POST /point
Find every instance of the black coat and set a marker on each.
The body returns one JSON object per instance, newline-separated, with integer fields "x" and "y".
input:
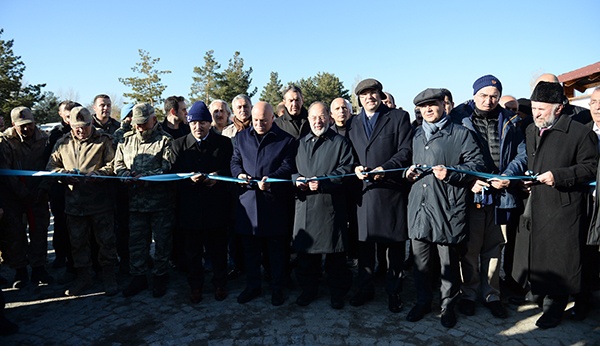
{"x": 320, "y": 224}
{"x": 199, "y": 206}
{"x": 295, "y": 129}
{"x": 437, "y": 210}
{"x": 553, "y": 227}
{"x": 382, "y": 204}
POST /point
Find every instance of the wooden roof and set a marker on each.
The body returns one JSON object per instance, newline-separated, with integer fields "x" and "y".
{"x": 580, "y": 79}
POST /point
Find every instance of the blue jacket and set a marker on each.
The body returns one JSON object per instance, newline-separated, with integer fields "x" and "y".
{"x": 264, "y": 213}
{"x": 513, "y": 156}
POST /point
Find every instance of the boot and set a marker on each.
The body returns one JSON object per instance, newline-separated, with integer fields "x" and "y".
{"x": 21, "y": 278}
{"x": 40, "y": 276}
{"x": 110, "y": 281}
{"x": 82, "y": 283}
{"x": 137, "y": 285}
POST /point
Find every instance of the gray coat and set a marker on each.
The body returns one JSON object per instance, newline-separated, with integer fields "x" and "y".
{"x": 320, "y": 222}
{"x": 437, "y": 209}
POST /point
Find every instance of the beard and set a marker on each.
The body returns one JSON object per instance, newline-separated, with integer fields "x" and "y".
{"x": 320, "y": 132}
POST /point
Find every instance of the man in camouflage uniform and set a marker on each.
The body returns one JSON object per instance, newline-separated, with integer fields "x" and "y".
{"x": 88, "y": 201}
{"x": 146, "y": 151}
{"x": 23, "y": 147}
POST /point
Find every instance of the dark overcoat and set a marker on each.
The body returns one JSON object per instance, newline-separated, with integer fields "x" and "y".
{"x": 382, "y": 204}
{"x": 437, "y": 210}
{"x": 553, "y": 226}
{"x": 264, "y": 213}
{"x": 320, "y": 224}
{"x": 199, "y": 206}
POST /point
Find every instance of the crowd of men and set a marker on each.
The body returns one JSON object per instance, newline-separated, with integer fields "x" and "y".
{"x": 494, "y": 190}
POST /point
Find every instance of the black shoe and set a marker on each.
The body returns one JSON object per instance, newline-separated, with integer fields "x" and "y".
{"x": 418, "y": 312}
{"x": 220, "y": 293}
{"x": 448, "y": 318}
{"x": 21, "y": 278}
{"x": 39, "y": 275}
{"x": 466, "y": 307}
{"x": 394, "y": 303}
{"x": 137, "y": 285}
{"x": 305, "y": 299}
{"x": 196, "y": 296}
{"x": 159, "y": 285}
{"x": 522, "y": 301}
{"x": 248, "y": 294}
{"x": 362, "y": 297}
{"x": 497, "y": 309}
{"x": 579, "y": 311}
{"x": 337, "y": 303}
{"x": 277, "y": 298}
{"x": 59, "y": 262}
{"x": 547, "y": 321}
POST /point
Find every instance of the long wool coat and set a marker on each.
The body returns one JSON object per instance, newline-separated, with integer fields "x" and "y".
{"x": 553, "y": 227}
{"x": 320, "y": 220}
{"x": 264, "y": 213}
{"x": 382, "y": 204}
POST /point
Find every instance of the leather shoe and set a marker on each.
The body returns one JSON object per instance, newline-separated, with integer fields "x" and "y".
{"x": 362, "y": 297}
{"x": 418, "y": 312}
{"x": 448, "y": 318}
{"x": 394, "y": 303}
{"x": 196, "y": 296}
{"x": 547, "y": 321}
{"x": 497, "y": 309}
{"x": 220, "y": 293}
{"x": 337, "y": 303}
{"x": 466, "y": 307}
{"x": 277, "y": 298}
{"x": 579, "y": 311}
{"x": 248, "y": 294}
{"x": 305, "y": 299}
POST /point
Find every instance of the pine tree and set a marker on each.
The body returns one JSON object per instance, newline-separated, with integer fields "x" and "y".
{"x": 204, "y": 79}
{"x": 324, "y": 87}
{"x": 147, "y": 88}
{"x": 271, "y": 92}
{"x": 234, "y": 80}
{"x": 13, "y": 91}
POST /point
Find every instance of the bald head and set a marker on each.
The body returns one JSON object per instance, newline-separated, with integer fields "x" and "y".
{"x": 262, "y": 117}
{"x": 339, "y": 111}
{"x": 509, "y": 102}
{"x": 547, "y": 77}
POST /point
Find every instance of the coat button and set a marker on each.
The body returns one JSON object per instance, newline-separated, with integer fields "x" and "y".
{"x": 426, "y": 147}
{"x": 424, "y": 185}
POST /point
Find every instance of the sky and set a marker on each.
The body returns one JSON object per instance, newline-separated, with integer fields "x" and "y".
{"x": 81, "y": 48}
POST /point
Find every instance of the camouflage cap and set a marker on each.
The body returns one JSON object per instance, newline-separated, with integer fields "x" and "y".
{"x": 142, "y": 112}
{"x": 21, "y": 116}
{"x": 80, "y": 117}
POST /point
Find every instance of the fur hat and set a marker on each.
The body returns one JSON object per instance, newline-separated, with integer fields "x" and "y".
{"x": 548, "y": 92}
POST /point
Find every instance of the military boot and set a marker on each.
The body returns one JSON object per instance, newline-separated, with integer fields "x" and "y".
{"x": 82, "y": 283}
{"x": 110, "y": 281}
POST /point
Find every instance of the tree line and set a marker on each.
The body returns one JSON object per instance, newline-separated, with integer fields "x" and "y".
{"x": 209, "y": 82}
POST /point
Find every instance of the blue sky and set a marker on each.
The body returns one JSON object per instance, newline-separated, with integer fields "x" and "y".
{"x": 80, "y": 48}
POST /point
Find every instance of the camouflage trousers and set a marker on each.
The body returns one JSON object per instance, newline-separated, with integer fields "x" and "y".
{"x": 18, "y": 219}
{"x": 143, "y": 227}
{"x": 100, "y": 227}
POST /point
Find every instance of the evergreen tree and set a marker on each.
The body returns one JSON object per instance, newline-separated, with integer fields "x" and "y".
{"x": 323, "y": 87}
{"x": 205, "y": 79}
{"x": 234, "y": 80}
{"x": 147, "y": 88}
{"x": 46, "y": 111}
{"x": 272, "y": 91}
{"x": 13, "y": 91}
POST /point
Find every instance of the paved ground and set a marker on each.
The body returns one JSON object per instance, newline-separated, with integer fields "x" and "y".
{"x": 47, "y": 317}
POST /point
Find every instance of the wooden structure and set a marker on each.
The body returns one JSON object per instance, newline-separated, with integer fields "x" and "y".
{"x": 580, "y": 79}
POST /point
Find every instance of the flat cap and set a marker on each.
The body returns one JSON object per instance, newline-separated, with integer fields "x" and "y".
{"x": 21, "y": 116}
{"x": 428, "y": 95}
{"x": 370, "y": 83}
{"x": 79, "y": 117}
{"x": 142, "y": 112}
